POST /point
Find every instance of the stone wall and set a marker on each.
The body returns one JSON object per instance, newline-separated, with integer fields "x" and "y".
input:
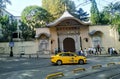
{"x": 110, "y": 36}
{"x": 28, "y": 47}
{"x": 84, "y": 34}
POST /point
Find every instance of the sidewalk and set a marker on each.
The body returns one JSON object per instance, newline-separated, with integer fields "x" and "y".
{"x": 25, "y": 56}
{"x": 102, "y": 55}
{"x": 47, "y": 56}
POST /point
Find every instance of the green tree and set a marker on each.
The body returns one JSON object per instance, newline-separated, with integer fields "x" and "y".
{"x": 106, "y": 14}
{"x": 4, "y": 22}
{"x": 70, "y": 6}
{"x": 115, "y": 20}
{"x": 94, "y": 13}
{"x": 57, "y": 7}
{"x": 116, "y": 23}
{"x": 111, "y": 10}
{"x": 26, "y": 32}
{"x": 104, "y": 18}
{"x": 113, "y": 14}
{"x": 35, "y": 16}
{"x": 9, "y": 26}
{"x": 80, "y": 14}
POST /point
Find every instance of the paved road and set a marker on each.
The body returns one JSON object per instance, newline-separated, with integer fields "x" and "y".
{"x": 24, "y": 68}
{"x": 112, "y": 72}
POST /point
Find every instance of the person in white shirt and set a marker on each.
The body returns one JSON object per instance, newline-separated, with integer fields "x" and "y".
{"x": 85, "y": 52}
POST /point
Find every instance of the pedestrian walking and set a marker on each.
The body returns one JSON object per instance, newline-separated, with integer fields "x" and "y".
{"x": 111, "y": 51}
{"x": 98, "y": 48}
{"x": 108, "y": 50}
{"x": 94, "y": 51}
{"x": 89, "y": 50}
{"x": 81, "y": 52}
{"x": 85, "y": 52}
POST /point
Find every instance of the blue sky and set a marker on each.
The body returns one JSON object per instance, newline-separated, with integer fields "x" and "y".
{"x": 18, "y": 5}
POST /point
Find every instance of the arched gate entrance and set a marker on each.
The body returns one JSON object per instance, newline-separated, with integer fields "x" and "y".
{"x": 69, "y": 44}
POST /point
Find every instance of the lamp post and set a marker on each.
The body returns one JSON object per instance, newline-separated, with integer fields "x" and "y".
{"x": 11, "y": 43}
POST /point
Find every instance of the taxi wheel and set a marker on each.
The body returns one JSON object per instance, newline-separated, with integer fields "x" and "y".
{"x": 59, "y": 62}
{"x": 80, "y": 62}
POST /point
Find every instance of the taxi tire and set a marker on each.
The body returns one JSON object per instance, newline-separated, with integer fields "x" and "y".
{"x": 80, "y": 61}
{"x": 59, "y": 62}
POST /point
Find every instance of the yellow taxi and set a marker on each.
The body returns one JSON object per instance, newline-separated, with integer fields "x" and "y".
{"x": 68, "y": 57}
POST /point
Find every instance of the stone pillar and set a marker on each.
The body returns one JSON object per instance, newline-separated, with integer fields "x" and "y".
{"x": 78, "y": 39}
{"x": 77, "y": 43}
{"x": 61, "y": 43}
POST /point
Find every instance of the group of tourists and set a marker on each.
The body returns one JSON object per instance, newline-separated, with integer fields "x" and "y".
{"x": 96, "y": 50}
{"x": 93, "y": 50}
{"x": 82, "y": 52}
{"x": 112, "y": 51}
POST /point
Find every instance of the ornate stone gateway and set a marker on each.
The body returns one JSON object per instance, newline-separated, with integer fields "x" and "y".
{"x": 69, "y": 44}
{"x": 68, "y": 38}
{"x": 66, "y": 32}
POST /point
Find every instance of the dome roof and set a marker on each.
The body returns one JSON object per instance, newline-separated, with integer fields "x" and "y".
{"x": 66, "y": 15}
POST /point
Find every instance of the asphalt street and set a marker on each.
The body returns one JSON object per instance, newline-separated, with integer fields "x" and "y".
{"x": 112, "y": 72}
{"x": 33, "y": 68}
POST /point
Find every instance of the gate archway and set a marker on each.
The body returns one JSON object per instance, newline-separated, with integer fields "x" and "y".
{"x": 69, "y": 44}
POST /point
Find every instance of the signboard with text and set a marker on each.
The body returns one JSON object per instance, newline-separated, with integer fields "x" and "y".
{"x": 11, "y": 44}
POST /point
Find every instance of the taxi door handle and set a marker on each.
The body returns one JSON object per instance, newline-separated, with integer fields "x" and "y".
{"x": 72, "y": 58}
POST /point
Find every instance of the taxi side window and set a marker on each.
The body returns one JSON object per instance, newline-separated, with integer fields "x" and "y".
{"x": 65, "y": 54}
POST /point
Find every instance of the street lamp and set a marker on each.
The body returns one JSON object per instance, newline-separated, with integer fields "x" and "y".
{"x": 11, "y": 43}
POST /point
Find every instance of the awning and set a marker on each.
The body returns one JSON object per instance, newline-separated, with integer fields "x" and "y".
{"x": 92, "y": 32}
{"x": 95, "y": 31}
{"x": 38, "y": 35}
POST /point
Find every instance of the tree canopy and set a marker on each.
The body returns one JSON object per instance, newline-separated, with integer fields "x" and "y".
{"x": 35, "y": 16}
{"x": 57, "y": 7}
{"x": 9, "y": 26}
{"x": 80, "y": 14}
{"x": 110, "y": 13}
{"x": 116, "y": 15}
{"x": 94, "y": 13}
{"x": 27, "y": 33}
